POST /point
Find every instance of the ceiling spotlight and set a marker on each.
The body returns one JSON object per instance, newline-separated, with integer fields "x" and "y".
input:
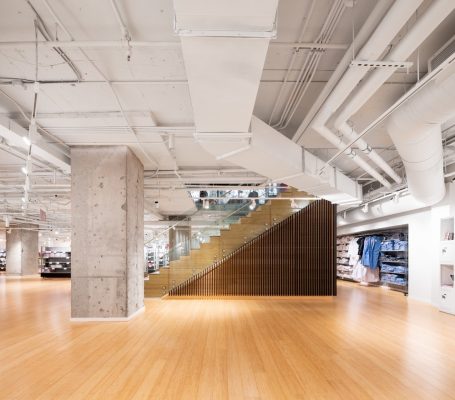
{"x": 24, "y": 170}
{"x": 56, "y": 232}
{"x": 396, "y": 198}
{"x": 365, "y": 208}
{"x": 205, "y": 204}
{"x": 6, "y": 219}
{"x": 23, "y": 200}
{"x": 157, "y": 204}
{"x": 345, "y": 214}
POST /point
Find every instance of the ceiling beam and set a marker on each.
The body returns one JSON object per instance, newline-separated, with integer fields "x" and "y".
{"x": 154, "y": 44}
{"x": 15, "y": 135}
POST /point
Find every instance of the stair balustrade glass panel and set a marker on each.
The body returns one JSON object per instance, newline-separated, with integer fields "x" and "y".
{"x": 217, "y": 229}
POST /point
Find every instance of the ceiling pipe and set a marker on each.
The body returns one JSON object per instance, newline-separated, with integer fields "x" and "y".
{"x": 415, "y": 130}
{"x": 374, "y": 18}
{"x": 153, "y": 44}
{"x": 339, "y": 143}
{"x": 384, "y": 33}
{"x": 430, "y": 20}
{"x": 57, "y": 20}
{"x": 305, "y": 21}
{"x": 309, "y": 68}
{"x": 372, "y": 154}
{"x": 427, "y": 79}
{"x": 123, "y": 28}
{"x": 386, "y": 207}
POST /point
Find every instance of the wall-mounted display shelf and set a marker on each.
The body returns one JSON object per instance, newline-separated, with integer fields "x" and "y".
{"x": 392, "y": 269}
{"x": 447, "y": 262}
{"x": 155, "y": 258}
{"x": 447, "y": 229}
{"x": 447, "y": 289}
{"x": 55, "y": 262}
{"x": 2, "y": 260}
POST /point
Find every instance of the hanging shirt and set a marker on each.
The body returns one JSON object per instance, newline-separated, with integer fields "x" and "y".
{"x": 371, "y": 249}
{"x": 360, "y": 242}
{"x": 353, "y": 252}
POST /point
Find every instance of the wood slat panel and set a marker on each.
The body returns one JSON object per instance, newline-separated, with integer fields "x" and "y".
{"x": 296, "y": 257}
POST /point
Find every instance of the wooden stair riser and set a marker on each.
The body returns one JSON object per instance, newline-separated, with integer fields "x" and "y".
{"x": 247, "y": 228}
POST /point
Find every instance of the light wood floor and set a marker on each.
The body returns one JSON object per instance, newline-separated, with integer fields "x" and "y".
{"x": 366, "y": 344}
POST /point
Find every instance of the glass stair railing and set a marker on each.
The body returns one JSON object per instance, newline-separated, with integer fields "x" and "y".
{"x": 238, "y": 226}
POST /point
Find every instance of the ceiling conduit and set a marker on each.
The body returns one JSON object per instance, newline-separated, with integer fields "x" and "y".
{"x": 430, "y": 20}
{"x": 415, "y": 129}
{"x": 224, "y": 45}
{"x": 388, "y": 28}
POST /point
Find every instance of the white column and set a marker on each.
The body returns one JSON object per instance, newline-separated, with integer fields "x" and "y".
{"x": 22, "y": 250}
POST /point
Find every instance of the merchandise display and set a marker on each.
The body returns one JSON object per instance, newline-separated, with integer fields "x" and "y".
{"x": 347, "y": 257}
{"x": 378, "y": 257}
{"x": 156, "y": 257}
{"x": 447, "y": 266}
{"x": 2, "y": 260}
{"x": 55, "y": 262}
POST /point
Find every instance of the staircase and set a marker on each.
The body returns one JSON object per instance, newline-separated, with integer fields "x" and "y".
{"x": 219, "y": 247}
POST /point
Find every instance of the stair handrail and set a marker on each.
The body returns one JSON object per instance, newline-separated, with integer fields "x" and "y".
{"x": 210, "y": 268}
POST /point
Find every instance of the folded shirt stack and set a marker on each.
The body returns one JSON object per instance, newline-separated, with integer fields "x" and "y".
{"x": 397, "y": 269}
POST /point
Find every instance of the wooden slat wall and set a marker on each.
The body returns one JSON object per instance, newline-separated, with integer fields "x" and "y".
{"x": 296, "y": 257}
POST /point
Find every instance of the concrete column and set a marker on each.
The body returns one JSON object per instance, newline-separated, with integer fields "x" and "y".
{"x": 107, "y": 245}
{"x": 22, "y": 250}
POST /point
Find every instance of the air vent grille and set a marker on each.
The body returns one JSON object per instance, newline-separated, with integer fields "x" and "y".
{"x": 442, "y": 54}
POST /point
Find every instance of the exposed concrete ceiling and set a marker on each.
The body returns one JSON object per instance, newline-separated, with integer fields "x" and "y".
{"x": 148, "y": 105}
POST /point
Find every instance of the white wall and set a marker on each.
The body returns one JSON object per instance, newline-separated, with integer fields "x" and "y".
{"x": 424, "y": 245}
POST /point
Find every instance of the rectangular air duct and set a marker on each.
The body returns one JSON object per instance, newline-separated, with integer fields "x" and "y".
{"x": 442, "y": 54}
{"x": 224, "y": 45}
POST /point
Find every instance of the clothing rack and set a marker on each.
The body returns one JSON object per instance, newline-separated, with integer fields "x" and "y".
{"x": 392, "y": 262}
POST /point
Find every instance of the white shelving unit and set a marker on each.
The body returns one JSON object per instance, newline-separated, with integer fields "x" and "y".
{"x": 2, "y": 260}
{"x": 447, "y": 266}
{"x": 55, "y": 262}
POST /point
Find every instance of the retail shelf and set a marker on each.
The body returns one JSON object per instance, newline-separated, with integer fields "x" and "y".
{"x": 55, "y": 262}
{"x": 394, "y": 273}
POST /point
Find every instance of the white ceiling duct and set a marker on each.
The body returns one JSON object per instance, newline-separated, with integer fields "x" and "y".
{"x": 427, "y": 23}
{"x": 224, "y": 44}
{"x": 273, "y": 155}
{"x": 384, "y": 208}
{"x": 399, "y": 12}
{"x": 415, "y": 129}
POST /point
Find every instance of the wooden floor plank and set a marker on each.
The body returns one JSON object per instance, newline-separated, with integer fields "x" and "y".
{"x": 367, "y": 343}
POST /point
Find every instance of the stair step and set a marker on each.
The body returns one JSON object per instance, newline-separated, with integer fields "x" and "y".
{"x": 219, "y": 246}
